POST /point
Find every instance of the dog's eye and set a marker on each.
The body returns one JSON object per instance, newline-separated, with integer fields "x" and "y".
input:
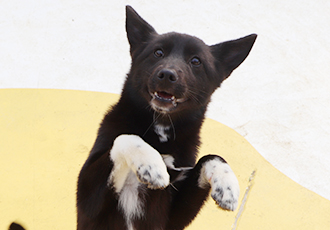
{"x": 195, "y": 61}
{"x": 159, "y": 53}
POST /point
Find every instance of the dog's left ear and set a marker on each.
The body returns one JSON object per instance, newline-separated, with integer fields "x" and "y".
{"x": 138, "y": 30}
{"x": 232, "y": 53}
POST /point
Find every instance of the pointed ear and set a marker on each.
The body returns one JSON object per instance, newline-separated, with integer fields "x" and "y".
{"x": 232, "y": 53}
{"x": 138, "y": 30}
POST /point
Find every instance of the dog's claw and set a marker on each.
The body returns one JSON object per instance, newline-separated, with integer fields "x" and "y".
{"x": 225, "y": 192}
{"x": 224, "y": 184}
{"x": 225, "y": 200}
{"x": 152, "y": 176}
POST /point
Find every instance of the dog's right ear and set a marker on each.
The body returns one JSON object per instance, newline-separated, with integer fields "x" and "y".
{"x": 137, "y": 29}
{"x": 232, "y": 53}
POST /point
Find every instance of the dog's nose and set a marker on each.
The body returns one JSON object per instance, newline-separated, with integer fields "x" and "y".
{"x": 168, "y": 75}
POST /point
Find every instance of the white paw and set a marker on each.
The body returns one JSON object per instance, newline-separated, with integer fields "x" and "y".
{"x": 224, "y": 184}
{"x": 153, "y": 176}
{"x": 132, "y": 153}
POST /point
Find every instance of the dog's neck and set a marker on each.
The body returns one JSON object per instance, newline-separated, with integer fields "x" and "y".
{"x": 165, "y": 125}
{"x": 163, "y": 132}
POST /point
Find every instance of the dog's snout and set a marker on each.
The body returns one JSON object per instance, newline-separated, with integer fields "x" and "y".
{"x": 168, "y": 75}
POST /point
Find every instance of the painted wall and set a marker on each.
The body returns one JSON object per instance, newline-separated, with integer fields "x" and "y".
{"x": 278, "y": 99}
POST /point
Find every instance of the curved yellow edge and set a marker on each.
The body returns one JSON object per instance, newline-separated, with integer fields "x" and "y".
{"x": 46, "y": 135}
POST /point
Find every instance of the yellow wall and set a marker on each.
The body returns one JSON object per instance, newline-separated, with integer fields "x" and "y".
{"x": 45, "y": 137}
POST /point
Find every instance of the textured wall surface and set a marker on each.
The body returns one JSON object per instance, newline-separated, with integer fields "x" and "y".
{"x": 278, "y": 99}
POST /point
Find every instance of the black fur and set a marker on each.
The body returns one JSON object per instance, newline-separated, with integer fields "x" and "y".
{"x": 171, "y": 64}
{"x": 15, "y": 226}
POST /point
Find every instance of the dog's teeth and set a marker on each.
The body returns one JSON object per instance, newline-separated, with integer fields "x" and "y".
{"x": 174, "y": 103}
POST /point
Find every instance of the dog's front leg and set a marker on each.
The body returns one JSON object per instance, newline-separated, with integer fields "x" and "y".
{"x": 132, "y": 154}
{"x": 215, "y": 172}
{"x": 211, "y": 173}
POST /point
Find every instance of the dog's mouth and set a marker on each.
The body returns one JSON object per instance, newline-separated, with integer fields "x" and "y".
{"x": 165, "y": 102}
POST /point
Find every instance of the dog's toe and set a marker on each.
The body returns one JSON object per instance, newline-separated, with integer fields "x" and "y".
{"x": 152, "y": 176}
{"x": 224, "y": 184}
{"x": 225, "y": 198}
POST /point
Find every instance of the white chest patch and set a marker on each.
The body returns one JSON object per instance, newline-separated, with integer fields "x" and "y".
{"x": 129, "y": 200}
{"x": 135, "y": 161}
{"x": 162, "y": 132}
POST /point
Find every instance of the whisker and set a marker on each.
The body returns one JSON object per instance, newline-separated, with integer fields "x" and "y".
{"x": 174, "y": 187}
{"x": 198, "y": 90}
{"x": 153, "y": 122}
{"x": 193, "y": 96}
{"x": 174, "y": 135}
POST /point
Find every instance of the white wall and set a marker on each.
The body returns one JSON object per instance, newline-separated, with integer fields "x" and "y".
{"x": 278, "y": 99}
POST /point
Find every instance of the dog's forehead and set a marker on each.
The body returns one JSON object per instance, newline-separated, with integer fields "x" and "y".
{"x": 182, "y": 42}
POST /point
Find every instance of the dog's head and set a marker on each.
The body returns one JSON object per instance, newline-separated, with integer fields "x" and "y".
{"x": 174, "y": 72}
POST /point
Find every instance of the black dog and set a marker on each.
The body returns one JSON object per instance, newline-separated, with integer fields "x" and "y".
{"x": 141, "y": 173}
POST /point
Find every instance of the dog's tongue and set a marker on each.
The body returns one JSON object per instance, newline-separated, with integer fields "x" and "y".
{"x": 165, "y": 95}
